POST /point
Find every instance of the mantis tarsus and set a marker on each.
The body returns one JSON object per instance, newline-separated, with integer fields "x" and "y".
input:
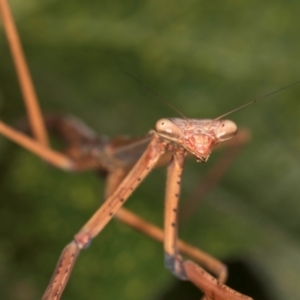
{"x": 171, "y": 135}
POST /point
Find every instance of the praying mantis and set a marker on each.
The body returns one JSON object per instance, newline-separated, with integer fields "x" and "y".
{"x": 167, "y": 134}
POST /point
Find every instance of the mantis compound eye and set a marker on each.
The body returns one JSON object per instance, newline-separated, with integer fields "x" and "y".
{"x": 226, "y": 130}
{"x": 168, "y": 129}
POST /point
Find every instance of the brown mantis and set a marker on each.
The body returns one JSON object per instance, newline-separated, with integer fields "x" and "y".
{"x": 163, "y": 140}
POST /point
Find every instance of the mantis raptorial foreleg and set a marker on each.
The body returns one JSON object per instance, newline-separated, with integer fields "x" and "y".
{"x": 102, "y": 217}
{"x": 173, "y": 260}
{"x": 187, "y": 270}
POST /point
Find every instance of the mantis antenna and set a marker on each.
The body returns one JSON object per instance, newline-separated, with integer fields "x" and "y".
{"x": 222, "y": 116}
{"x": 156, "y": 94}
{"x": 257, "y": 99}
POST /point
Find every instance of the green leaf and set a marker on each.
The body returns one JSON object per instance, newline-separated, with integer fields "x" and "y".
{"x": 205, "y": 57}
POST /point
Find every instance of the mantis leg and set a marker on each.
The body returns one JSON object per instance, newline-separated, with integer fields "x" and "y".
{"x": 27, "y": 87}
{"x": 51, "y": 156}
{"x": 101, "y": 217}
{"x": 187, "y": 270}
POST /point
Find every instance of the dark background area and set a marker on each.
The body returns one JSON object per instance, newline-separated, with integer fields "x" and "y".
{"x": 206, "y": 58}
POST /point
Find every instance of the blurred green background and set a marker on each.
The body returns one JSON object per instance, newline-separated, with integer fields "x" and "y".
{"x": 206, "y": 58}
